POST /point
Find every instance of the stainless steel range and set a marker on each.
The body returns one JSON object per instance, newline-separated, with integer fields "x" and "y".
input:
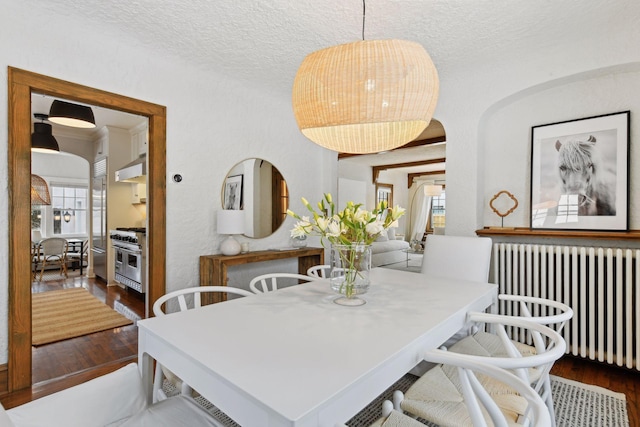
{"x": 129, "y": 245}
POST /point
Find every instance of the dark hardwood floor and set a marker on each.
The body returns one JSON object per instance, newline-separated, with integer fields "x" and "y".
{"x": 61, "y": 365}
{"x": 65, "y": 363}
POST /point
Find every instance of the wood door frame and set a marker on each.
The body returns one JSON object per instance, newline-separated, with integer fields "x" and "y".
{"x": 21, "y": 85}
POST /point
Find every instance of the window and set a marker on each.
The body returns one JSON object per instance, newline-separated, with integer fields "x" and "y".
{"x": 36, "y": 218}
{"x": 384, "y": 193}
{"x": 69, "y": 209}
{"x": 438, "y": 207}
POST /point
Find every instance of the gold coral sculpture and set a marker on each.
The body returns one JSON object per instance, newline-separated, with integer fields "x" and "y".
{"x": 39, "y": 191}
{"x": 367, "y": 96}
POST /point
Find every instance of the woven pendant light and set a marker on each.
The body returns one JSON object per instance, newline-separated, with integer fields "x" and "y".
{"x": 39, "y": 191}
{"x": 367, "y": 96}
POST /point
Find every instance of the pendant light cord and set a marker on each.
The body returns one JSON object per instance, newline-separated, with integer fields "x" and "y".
{"x": 363, "y": 14}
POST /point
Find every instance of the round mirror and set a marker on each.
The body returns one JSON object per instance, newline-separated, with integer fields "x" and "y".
{"x": 257, "y": 187}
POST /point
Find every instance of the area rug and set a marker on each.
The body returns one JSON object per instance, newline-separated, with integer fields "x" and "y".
{"x": 576, "y": 405}
{"x": 579, "y": 404}
{"x": 70, "y": 313}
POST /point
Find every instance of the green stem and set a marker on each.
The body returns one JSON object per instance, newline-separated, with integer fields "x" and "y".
{"x": 348, "y": 255}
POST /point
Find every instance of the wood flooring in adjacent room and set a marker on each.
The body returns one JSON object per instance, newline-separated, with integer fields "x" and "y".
{"x": 63, "y": 364}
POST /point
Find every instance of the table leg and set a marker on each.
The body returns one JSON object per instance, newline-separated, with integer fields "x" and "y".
{"x": 81, "y": 256}
{"x": 146, "y": 372}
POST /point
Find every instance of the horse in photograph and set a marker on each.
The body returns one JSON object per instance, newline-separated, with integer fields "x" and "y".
{"x": 582, "y": 173}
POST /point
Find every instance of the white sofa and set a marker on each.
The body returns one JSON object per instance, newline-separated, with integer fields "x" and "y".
{"x": 387, "y": 249}
{"x": 114, "y": 399}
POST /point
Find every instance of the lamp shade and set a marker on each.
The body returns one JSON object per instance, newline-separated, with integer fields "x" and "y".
{"x": 433, "y": 190}
{"x": 367, "y": 96}
{"x": 230, "y": 222}
{"x": 39, "y": 191}
{"x": 42, "y": 139}
{"x": 74, "y": 115}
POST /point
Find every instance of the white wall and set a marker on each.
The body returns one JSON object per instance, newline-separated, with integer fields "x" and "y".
{"x": 507, "y": 133}
{"x": 472, "y": 92}
{"x": 207, "y": 131}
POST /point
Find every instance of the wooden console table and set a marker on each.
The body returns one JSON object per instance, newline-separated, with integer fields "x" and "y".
{"x": 213, "y": 268}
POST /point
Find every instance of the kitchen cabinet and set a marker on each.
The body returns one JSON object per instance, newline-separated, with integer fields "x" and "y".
{"x": 139, "y": 138}
{"x": 138, "y": 193}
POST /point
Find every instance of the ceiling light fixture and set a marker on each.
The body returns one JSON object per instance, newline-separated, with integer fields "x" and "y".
{"x": 367, "y": 96}
{"x": 42, "y": 140}
{"x": 74, "y": 115}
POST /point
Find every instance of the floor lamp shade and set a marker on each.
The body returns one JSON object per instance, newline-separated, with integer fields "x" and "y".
{"x": 367, "y": 96}
{"x": 230, "y": 222}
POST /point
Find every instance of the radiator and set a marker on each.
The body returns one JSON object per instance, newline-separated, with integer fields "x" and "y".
{"x": 601, "y": 285}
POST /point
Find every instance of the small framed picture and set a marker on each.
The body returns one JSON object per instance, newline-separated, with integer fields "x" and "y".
{"x": 580, "y": 174}
{"x": 233, "y": 192}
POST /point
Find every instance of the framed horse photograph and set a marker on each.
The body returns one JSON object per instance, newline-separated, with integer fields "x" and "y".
{"x": 580, "y": 174}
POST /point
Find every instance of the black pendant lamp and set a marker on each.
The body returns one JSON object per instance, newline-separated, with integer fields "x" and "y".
{"x": 74, "y": 115}
{"x": 42, "y": 139}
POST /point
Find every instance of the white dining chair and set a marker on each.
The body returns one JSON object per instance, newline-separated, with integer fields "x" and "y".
{"x": 273, "y": 281}
{"x": 319, "y": 271}
{"x": 538, "y": 310}
{"x": 436, "y": 389}
{"x": 114, "y": 399}
{"x": 457, "y": 257}
{"x": 186, "y": 299}
{"x": 392, "y": 418}
{"x": 462, "y": 397}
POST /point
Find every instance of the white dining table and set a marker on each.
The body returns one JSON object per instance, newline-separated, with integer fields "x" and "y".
{"x": 295, "y": 358}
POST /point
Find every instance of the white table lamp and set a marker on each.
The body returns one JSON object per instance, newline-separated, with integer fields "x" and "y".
{"x": 230, "y": 222}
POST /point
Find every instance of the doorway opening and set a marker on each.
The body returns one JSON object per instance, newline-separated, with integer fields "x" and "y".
{"x": 22, "y": 84}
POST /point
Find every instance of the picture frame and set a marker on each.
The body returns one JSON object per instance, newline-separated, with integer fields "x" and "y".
{"x": 580, "y": 174}
{"x": 233, "y": 192}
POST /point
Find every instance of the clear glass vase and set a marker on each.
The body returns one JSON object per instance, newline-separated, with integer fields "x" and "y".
{"x": 349, "y": 275}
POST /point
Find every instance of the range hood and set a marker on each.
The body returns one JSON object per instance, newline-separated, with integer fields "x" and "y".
{"x": 135, "y": 171}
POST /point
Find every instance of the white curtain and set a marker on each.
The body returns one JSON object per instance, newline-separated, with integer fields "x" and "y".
{"x": 420, "y": 211}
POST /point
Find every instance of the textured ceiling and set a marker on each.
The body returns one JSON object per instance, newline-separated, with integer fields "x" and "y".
{"x": 265, "y": 42}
